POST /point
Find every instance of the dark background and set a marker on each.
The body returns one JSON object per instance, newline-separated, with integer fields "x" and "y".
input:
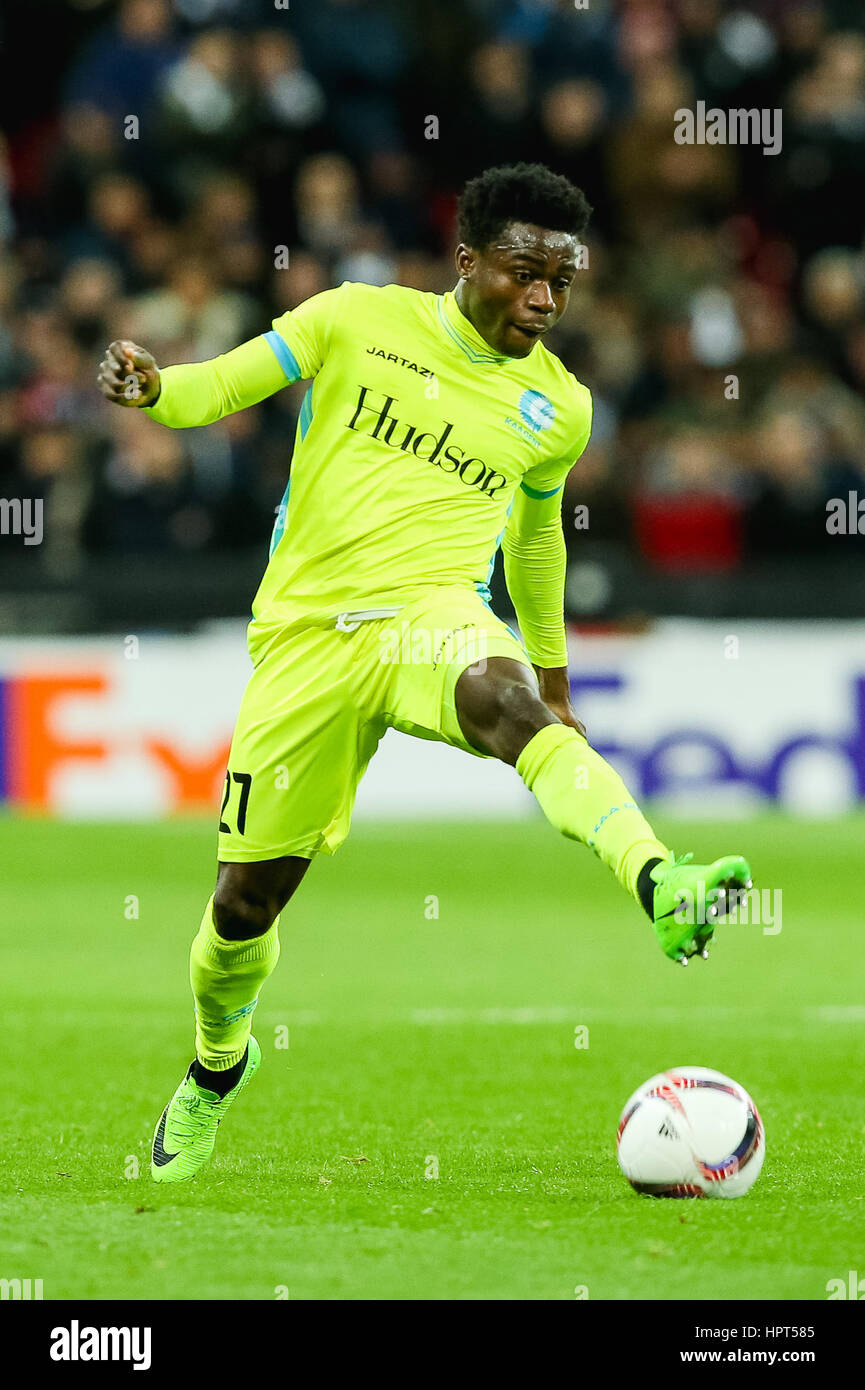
{"x": 304, "y": 128}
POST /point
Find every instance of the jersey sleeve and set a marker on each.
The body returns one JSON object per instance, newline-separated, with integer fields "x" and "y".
{"x": 198, "y": 393}
{"x": 535, "y": 559}
{"x": 301, "y": 338}
{"x": 535, "y": 556}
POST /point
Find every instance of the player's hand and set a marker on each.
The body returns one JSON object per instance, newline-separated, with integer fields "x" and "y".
{"x": 555, "y": 692}
{"x": 128, "y": 375}
{"x": 567, "y": 715}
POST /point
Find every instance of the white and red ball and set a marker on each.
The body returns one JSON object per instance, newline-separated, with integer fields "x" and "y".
{"x": 691, "y": 1132}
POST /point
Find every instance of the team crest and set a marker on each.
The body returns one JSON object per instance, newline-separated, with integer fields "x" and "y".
{"x": 537, "y": 410}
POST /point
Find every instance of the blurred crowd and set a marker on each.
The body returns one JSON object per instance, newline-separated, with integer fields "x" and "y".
{"x": 200, "y": 166}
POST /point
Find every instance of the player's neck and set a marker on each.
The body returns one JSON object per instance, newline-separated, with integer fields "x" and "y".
{"x": 460, "y": 297}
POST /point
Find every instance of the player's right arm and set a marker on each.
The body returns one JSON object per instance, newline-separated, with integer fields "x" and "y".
{"x": 197, "y": 393}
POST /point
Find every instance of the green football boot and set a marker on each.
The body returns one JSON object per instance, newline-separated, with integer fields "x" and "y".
{"x": 690, "y": 898}
{"x": 186, "y": 1132}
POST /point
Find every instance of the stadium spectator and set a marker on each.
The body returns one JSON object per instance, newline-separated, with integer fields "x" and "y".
{"x": 279, "y": 152}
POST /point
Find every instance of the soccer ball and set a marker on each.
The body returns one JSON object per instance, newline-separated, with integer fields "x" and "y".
{"x": 691, "y": 1132}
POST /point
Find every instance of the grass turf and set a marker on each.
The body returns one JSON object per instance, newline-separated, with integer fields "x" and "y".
{"x": 423, "y": 1044}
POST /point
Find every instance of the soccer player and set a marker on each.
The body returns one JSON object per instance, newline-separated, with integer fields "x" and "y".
{"x": 436, "y": 428}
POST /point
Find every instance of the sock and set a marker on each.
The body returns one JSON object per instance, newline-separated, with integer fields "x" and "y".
{"x": 646, "y": 888}
{"x": 225, "y": 977}
{"x": 221, "y": 1082}
{"x": 585, "y": 799}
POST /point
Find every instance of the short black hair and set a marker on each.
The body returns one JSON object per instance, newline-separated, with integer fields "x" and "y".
{"x": 520, "y": 193}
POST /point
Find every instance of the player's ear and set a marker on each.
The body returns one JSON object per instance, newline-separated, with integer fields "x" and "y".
{"x": 465, "y": 260}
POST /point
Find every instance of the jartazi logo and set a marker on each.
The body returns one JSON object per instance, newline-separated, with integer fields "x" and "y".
{"x": 372, "y": 416}
{"x": 400, "y": 361}
{"x": 76, "y": 1343}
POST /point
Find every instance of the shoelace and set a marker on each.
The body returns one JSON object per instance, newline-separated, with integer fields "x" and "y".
{"x": 188, "y": 1122}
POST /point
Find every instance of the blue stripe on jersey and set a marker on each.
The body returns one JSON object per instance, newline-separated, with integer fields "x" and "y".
{"x": 306, "y": 412}
{"x": 483, "y": 587}
{"x": 279, "y": 524}
{"x": 282, "y": 511}
{"x": 539, "y": 496}
{"x": 284, "y": 355}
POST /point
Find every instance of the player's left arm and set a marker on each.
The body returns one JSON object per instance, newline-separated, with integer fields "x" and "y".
{"x": 535, "y": 561}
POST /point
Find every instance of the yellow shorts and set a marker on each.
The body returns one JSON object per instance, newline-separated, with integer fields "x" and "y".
{"x": 320, "y": 699}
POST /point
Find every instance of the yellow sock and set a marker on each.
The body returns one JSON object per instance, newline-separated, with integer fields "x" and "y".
{"x": 226, "y": 977}
{"x": 585, "y": 799}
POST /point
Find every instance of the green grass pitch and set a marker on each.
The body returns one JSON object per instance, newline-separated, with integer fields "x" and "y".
{"x": 430, "y": 1131}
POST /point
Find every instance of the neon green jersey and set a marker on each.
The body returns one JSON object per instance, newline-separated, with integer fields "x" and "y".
{"x": 415, "y": 444}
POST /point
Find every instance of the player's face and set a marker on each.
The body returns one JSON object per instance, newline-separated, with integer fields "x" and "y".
{"x": 514, "y": 290}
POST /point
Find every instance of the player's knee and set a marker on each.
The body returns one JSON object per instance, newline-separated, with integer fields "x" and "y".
{"x": 512, "y": 705}
{"x": 503, "y": 714}
{"x": 241, "y": 916}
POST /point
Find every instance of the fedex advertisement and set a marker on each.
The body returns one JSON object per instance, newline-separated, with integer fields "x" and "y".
{"x": 705, "y": 718}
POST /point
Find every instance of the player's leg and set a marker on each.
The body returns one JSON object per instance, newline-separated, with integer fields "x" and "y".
{"x": 462, "y": 676}
{"x": 236, "y": 949}
{"x": 502, "y": 715}
{"x": 234, "y": 952}
{"x": 296, "y": 757}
